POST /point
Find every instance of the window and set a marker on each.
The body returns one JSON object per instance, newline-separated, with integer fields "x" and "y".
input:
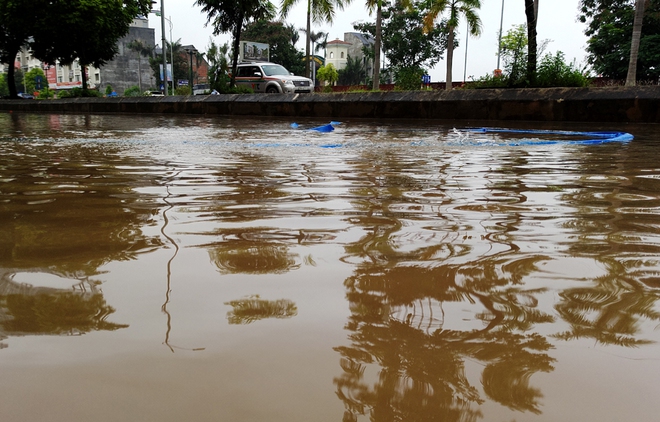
{"x": 342, "y": 54}
{"x": 332, "y": 54}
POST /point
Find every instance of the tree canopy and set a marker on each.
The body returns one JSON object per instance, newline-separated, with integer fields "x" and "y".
{"x": 405, "y": 43}
{"x": 610, "y": 28}
{"x": 65, "y": 30}
{"x": 281, "y": 38}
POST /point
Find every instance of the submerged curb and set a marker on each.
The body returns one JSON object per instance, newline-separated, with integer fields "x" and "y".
{"x": 612, "y": 104}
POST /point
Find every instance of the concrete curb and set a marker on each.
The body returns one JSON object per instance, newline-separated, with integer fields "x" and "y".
{"x": 612, "y": 104}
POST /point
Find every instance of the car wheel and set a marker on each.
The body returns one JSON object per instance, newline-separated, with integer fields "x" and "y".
{"x": 272, "y": 90}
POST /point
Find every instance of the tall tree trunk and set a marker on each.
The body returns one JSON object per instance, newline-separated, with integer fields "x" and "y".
{"x": 11, "y": 53}
{"x": 84, "y": 77}
{"x": 307, "y": 37}
{"x": 531, "y": 12}
{"x": 631, "y": 78}
{"x": 450, "y": 58}
{"x": 377, "y": 43}
{"x": 235, "y": 51}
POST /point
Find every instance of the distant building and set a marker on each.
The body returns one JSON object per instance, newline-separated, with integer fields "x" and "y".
{"x": 121, "y": 72}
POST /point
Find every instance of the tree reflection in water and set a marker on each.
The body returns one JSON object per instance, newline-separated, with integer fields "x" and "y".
{"x": 68, "y": 209}
{"x": 398, "y": 326}
{"x": 253, "y": 258}
{"x": 27, "y": 310}
{"x": 253, "y": 308}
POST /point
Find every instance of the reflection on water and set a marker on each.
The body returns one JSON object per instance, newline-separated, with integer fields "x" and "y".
{"x": 29, "y": 310}
{"x": 410, "y": 275}
{"x": 250, "y": 309}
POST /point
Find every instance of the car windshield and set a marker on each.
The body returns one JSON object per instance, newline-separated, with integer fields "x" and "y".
{"x": 274, "y": 69}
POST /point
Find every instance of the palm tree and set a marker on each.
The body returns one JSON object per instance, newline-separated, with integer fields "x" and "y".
{"x": 467, "y": 8}
{"x": 634, "y": 46}
{"x": 532, "y": 14}
{"x": 142, "y": 50}
{"x": 378, "y": 5}
{"x": 314, "y": 38}
{"x": 318, "y": 11}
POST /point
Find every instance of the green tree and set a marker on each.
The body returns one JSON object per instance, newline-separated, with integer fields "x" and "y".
{"x": 142, "y": 50}
{"x": 328, "y": 73}
{"x": 354, "y": 73}
{"x": 513, "y": 47}
{"x": 318, "y": 11}
{"x": 18, "y": 22}
{"x": 31, "y": 79}
{"x": 232, "y": 16}
{"x": 217, "y": 56}
{"x": 281, "y": 39}
{"x": 87, "y": 30}
{"x": 406, "y": 43}
{"x": 610, "y": 28}
{"x": 456, "y": 9}
{"x": 4, "y": 88}
{"x": 179, "y": 67}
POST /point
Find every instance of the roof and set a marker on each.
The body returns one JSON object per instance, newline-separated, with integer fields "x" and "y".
{"x": 365, "y": 39}
{"x": 338, "y": 41}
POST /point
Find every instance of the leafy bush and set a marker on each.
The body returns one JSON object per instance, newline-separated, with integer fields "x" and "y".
{"x": 46, "y": 93}
{"x": 133, "y": 91}
{"x": 408, "y": 78}
{"x": 108, "y": 90}
{"x": 241, "y": 90}
{"x": 489, "y": 82}
{"x": 182, "y": 90}
{"x": 78, "y": 92}
{"x": 553, "y": 71}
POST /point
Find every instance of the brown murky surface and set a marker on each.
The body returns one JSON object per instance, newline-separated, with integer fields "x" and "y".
{"x": 211, "y": 269}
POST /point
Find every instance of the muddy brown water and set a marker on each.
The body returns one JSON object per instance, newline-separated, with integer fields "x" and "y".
{"x": 213, "y": 269}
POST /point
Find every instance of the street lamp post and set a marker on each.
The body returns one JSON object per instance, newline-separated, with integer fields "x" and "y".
{"x": 162, "y": 24}
{"x": 161, "y": 13}
{"x": 190, "y": 49}
{"x": 499, "y": 41}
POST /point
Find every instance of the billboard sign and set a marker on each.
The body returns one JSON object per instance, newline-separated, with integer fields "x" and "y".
{"x": 254, "y": 52}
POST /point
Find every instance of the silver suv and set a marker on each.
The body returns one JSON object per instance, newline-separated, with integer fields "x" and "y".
{"x": 271, "y": 78}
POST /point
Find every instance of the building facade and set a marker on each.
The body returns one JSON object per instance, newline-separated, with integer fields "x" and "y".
{"x": 353, "y": 45}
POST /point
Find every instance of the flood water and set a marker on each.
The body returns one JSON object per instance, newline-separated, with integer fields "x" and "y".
{"x": 212, "y": 269}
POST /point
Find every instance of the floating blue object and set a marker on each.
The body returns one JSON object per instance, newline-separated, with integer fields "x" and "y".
{"x": 592, "y": 138}
{"x": 333, "y": 123}
{"x": 294, "y": 125}
{"x": 324, "y": 128}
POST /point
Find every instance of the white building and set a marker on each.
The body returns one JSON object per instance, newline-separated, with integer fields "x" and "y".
{"x": 336, "y": 53}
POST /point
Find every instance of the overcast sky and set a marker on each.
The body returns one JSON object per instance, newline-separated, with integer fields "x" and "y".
{"x": 557, "y": 22}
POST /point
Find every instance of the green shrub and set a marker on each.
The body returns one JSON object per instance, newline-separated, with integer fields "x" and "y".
{"x": 45, "y": 93}
{"x": 554, "y": 72}
{"x": 182, "y": 90}
{"x": 240, "y": 89}
{"x": 133, "y": 91}
{"x": 108, "y": 90}
{"x": 408, "y": 78}
{"x": 489, "y": 82}
{"x": 78, "y": 92}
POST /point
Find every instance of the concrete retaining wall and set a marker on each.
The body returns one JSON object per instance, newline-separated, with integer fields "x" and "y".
{"x": 613, "y": 104}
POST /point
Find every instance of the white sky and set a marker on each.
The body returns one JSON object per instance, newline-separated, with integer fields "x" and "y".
{"x": 557, "y": 22}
